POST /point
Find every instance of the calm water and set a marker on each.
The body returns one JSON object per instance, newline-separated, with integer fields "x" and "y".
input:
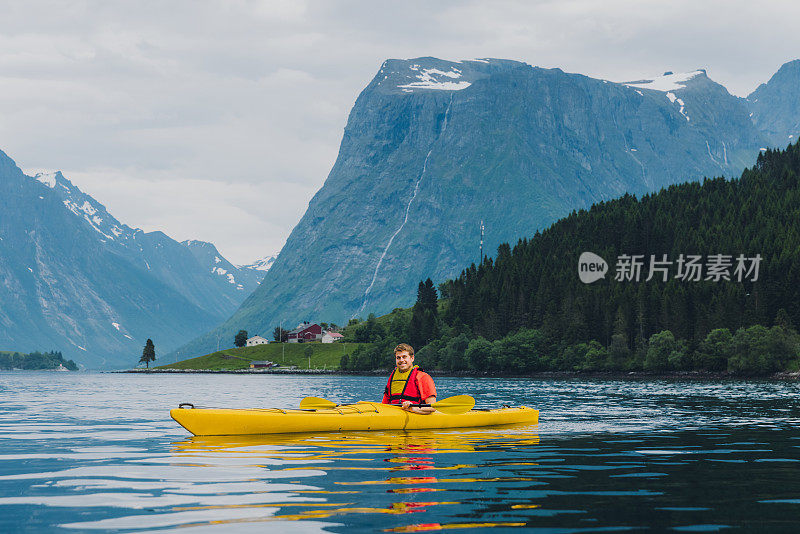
{"x": 98, "y": 452}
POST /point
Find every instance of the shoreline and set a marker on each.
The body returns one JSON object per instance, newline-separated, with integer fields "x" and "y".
{"x": 608, "y": 375}
{"x": 234, "y": 371}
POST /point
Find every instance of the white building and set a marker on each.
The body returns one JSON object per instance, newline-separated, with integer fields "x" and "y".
{"x": 256, "y": 340}
{"x": 331, "y": 337}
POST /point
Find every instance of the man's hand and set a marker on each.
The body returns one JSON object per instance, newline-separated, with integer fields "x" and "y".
{"x": 425, "y": 410}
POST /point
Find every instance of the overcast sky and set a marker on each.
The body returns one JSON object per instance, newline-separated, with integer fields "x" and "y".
{"x": 219, "y": 120}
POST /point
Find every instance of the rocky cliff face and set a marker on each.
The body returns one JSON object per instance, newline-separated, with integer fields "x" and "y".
{"x": 433, "y": 147}
{"x": 775, "y": 105}
{"x": 77, "y": 280}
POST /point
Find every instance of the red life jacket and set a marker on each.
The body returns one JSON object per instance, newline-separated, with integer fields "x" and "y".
{"x": 410, "y": 389}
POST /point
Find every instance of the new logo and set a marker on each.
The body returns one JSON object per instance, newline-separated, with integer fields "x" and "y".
{"x": 591, "y": 267}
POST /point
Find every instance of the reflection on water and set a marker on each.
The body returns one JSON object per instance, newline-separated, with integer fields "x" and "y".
{"x": 393, "y": 457}
{"x": 612, "y": 455}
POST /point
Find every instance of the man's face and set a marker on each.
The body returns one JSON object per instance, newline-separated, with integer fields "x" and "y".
{"x": 403, "y": 360}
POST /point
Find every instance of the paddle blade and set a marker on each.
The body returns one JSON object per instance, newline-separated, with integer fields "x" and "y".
{"x": 455, "y": 405}
{"x": 316, "y": 403}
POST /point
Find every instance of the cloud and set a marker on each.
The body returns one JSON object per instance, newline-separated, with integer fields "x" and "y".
{"x": 218, "y": 120}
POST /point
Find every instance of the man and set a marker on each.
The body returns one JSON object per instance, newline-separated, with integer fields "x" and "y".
{"x": 408, "y": 385}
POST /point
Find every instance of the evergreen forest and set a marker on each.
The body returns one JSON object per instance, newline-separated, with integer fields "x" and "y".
{"x": 717, "y": 288}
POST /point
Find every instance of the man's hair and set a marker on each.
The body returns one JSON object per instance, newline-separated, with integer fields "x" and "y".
{"x": 404, "y": 347}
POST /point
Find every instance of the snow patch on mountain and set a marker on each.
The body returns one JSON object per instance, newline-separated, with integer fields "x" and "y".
{"x": 48, "y": 179}
{"x": 224, "y": 272}
{"x": 263, "y": 264}
{"x": 435, "y": 79}
{"x": 673, "y": 99}
{"x": 87, "y": 208}
{"x": 85, "y": 211}
{"x": 669, "y": 81}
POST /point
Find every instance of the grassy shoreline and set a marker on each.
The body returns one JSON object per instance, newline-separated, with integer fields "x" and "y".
{"x": 322, "y": 357}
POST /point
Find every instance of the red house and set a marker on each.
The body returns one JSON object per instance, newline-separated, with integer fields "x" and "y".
{"x": 305, "y": 332}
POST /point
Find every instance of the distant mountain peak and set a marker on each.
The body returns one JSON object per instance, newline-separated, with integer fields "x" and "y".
{"x": 262, "y": 264}
{"x": 669, "y": 81}
{"x": 50, "y": 179}
{"x": 207, "y": 254}
{"x": 196, "y": 243}
{"x": 84, "y": 206}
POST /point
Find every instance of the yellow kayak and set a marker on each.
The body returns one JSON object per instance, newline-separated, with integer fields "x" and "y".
{"x": 348, "y": 417}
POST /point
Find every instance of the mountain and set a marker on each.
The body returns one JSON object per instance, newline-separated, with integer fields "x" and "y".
{"x": 77, "y": 280}
{"x": 775, "y": 105}
{"x": 230, "y": 279}
{"x": 432, "y": 148}
{"x": 263, "y": 264}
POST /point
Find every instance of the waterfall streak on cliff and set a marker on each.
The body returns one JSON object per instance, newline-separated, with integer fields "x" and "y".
{"x": 405, "y": 219}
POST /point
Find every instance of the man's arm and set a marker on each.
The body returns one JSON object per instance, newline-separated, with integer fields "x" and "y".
{"x": 422, "y": 410}
{"x": 428, "y": 390}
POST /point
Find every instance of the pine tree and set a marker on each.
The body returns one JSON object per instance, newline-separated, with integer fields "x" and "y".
{"x": 148, "y": 354}
{"x": 424, "y": 325}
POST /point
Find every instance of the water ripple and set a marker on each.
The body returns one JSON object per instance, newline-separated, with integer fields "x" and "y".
{"x": 607, "y": 455}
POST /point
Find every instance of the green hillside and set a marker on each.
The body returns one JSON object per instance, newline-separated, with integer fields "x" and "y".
{"x": 323, "y": 356}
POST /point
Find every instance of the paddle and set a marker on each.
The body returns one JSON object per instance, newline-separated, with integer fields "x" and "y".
{"x": 455, "y": 405}
{"x": 316, "y": 403}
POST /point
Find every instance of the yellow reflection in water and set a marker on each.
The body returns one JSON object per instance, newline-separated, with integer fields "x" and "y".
{"x": 409, "y": 466}
{"x": 397, "y": 451}
{"x": 394, "y": 509}
{"x": 421, "y": 527}
{"x": 434, "y": 480}
{"x": 416, "y": 443}
{"x": 413, "y": 490}
{"x": 327, "y": 511}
